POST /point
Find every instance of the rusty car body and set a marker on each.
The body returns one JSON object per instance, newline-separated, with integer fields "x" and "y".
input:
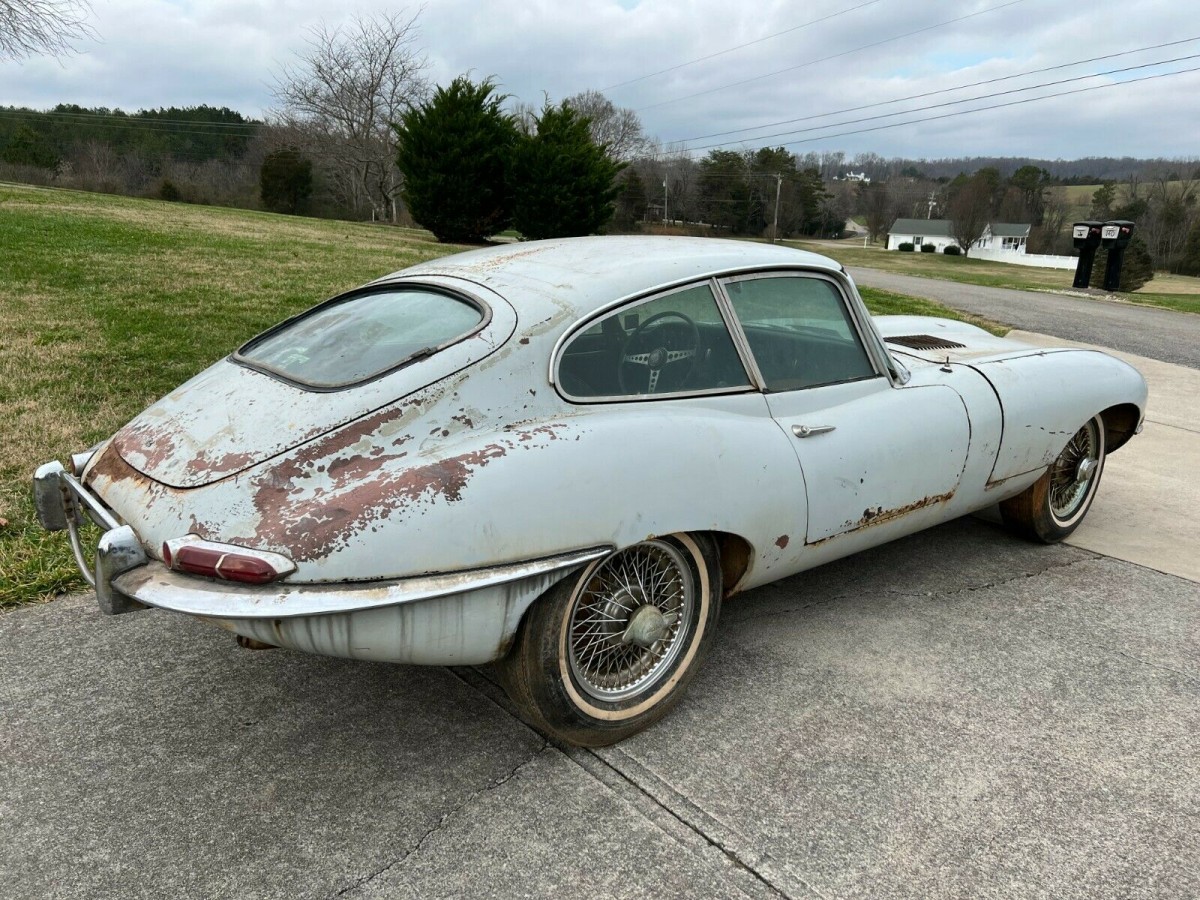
{"x": 562, "y": 456}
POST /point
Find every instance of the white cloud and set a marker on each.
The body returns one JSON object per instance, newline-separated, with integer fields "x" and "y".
{"x": 225, "y": 52}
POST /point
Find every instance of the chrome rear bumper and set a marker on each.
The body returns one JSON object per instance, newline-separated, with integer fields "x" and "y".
{"x": 62, "y": 502}
{"x": 467, "y": 617}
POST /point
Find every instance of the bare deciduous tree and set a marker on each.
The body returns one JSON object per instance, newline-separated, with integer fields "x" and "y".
{"x": 876, "y": 203}
{"x": 970, "y": 208}
{"x": 616, "y": 128}
{"x": 42, "y": 27}
{"x": 350, "y": 84}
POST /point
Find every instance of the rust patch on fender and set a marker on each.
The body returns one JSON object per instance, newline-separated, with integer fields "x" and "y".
{"x": 230, "y": 462}
{"x": 155, "y": 444}
{"x": 879, "y": 515}
{"x": 782, "y": 541}
{"x": 360, "y": 493}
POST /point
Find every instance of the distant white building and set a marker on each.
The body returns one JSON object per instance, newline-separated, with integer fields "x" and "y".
{"x": 918, "y": 232}
{"x": 998, "y": 237}
{"x": 853, "y": 176}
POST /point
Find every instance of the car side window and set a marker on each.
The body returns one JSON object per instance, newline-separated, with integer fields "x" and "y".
{"x": 670, "y": 344}
{"x": 799, "y": 330}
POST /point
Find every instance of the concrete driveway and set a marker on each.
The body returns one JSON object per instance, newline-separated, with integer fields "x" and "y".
{"x": 959, "y": 714}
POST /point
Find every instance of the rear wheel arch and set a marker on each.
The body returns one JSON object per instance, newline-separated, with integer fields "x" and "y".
{"x": 570, "y": 644}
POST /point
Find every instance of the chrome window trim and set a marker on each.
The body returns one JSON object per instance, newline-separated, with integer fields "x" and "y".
{"x": 740, "y": 340}
{"x": 630, "y": 303}
{"x": 484, "y": 309}
{"x": 868, "y": 338}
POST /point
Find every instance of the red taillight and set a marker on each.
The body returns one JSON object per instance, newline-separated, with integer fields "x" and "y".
{"x": 227, "y": 562}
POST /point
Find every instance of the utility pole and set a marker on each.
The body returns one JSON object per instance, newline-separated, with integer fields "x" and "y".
{"x": 775, "y": 227}
{"x": 664, "y": 199}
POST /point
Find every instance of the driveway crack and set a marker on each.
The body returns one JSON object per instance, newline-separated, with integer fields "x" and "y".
{"x": 441, "y": 823}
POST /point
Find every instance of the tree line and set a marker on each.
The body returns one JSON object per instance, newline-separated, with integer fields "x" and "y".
{"x": 359, "y": 132}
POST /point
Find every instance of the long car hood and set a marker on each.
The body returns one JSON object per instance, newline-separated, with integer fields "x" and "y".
{"x": 937, "y": 340}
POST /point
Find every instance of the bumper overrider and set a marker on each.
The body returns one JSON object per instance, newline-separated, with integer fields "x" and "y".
{"x": 459, "y": 618}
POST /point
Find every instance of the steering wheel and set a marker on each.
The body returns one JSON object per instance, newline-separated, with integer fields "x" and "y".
{"x": 650, "y": 348}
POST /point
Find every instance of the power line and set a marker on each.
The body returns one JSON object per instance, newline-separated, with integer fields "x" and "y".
{"x": 1032, "y": 87}
{"x": 814, "y": 62}
{"x": 965, "y": 112}
{"x": 692, "y": 62}
{"x": 961, "y": 87}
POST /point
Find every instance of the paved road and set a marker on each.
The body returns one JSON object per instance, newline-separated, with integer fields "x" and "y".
{"x": 957, "y": 714}
{"x": 1160, "y": 334}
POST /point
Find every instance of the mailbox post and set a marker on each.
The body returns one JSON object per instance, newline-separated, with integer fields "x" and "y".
{"x": 1115, "y": 237}
{"x": 1086, "y": 236}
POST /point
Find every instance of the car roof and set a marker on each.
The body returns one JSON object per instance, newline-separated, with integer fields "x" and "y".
{"x": 575, "y": 276}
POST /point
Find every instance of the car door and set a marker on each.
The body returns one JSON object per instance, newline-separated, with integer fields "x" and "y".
{"x": 870, "y": 451}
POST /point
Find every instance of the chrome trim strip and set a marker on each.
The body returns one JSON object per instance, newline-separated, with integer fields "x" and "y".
{"x": 156, "y": 585}
{"x": 740, "y": 341}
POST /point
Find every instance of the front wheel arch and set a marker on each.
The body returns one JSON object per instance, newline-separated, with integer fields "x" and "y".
{"x": 1051, "y": 508}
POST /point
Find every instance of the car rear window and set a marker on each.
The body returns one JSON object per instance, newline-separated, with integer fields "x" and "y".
{"x": 360, "y": 336}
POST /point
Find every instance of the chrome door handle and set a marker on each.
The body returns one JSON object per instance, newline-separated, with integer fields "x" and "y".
{"x": 803, "y": 431}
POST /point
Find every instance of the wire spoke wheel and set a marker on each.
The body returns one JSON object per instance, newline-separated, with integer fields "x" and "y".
{"x": 609, "y": 650}
{"x": 625, "y": 629}
{"x": 1052, "y": 507}
{"x": 1072, "y": 472}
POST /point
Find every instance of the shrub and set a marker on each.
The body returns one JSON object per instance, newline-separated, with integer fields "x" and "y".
{"x": 285, "y": 181}
{"x": 454, "y": 154}
{"x": 168, "y": 191}
{"x": 906, "y": 247}
{"x": 928, "y": 248}
{"x": 951, "y": 250}
{"x": 564, "y": 184}
{"x": 1136, "y": 268}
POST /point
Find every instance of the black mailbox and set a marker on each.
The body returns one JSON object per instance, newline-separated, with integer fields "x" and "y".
{"x": 1116, "y": 234}
{"x": 1086, "y": 234}
{"x": 1087, "y": 237}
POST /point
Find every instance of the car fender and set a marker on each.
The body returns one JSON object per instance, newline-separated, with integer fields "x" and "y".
{"x": 1046, "y": 397}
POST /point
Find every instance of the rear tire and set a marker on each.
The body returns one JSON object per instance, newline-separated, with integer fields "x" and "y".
{"x": 1054, "y": 505}
{"x": 604, "y": 654}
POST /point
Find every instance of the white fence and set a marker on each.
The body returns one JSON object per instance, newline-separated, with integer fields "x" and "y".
{"x": 1037, "y": 260}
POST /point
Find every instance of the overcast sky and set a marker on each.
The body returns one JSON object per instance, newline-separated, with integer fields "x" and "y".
{"x": 152, "y": 53}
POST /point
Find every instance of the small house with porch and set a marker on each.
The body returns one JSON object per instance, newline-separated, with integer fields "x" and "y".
{"x": 918, "y": 232}
{"x": 997, "y": 238}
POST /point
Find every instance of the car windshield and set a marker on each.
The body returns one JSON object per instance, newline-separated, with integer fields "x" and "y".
{"x": 354, "y": 338}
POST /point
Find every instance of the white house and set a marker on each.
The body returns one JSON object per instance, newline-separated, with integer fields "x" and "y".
{"x": 918, "y": 232}
{"x": 998, "y": 237}
{"x": 1003, "y": 236}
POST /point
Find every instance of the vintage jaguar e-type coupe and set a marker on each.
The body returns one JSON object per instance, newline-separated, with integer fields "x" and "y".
{"x": 561, "y": 457}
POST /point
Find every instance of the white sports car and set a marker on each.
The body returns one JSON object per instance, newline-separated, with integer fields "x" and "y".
{"x": 562, "y": 457}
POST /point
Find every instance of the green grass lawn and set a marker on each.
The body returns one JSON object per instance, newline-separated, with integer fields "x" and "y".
{"x": 1168, "y": 291}
{"x": 107, "y": 303}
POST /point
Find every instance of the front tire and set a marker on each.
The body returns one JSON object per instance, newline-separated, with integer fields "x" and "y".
{"x": 1054, "y": 505}
{"x": 607, "y": 653}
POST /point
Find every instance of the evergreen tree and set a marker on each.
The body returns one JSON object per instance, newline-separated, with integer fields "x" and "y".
{"x": 1136, "y": 269}
{"x": 285, "y": 181}
{"x": 454, "y": 153}
{"x": 564, "y": 184}
{"x": 1190, "y": 263}
{"x": 27, "y": 147}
